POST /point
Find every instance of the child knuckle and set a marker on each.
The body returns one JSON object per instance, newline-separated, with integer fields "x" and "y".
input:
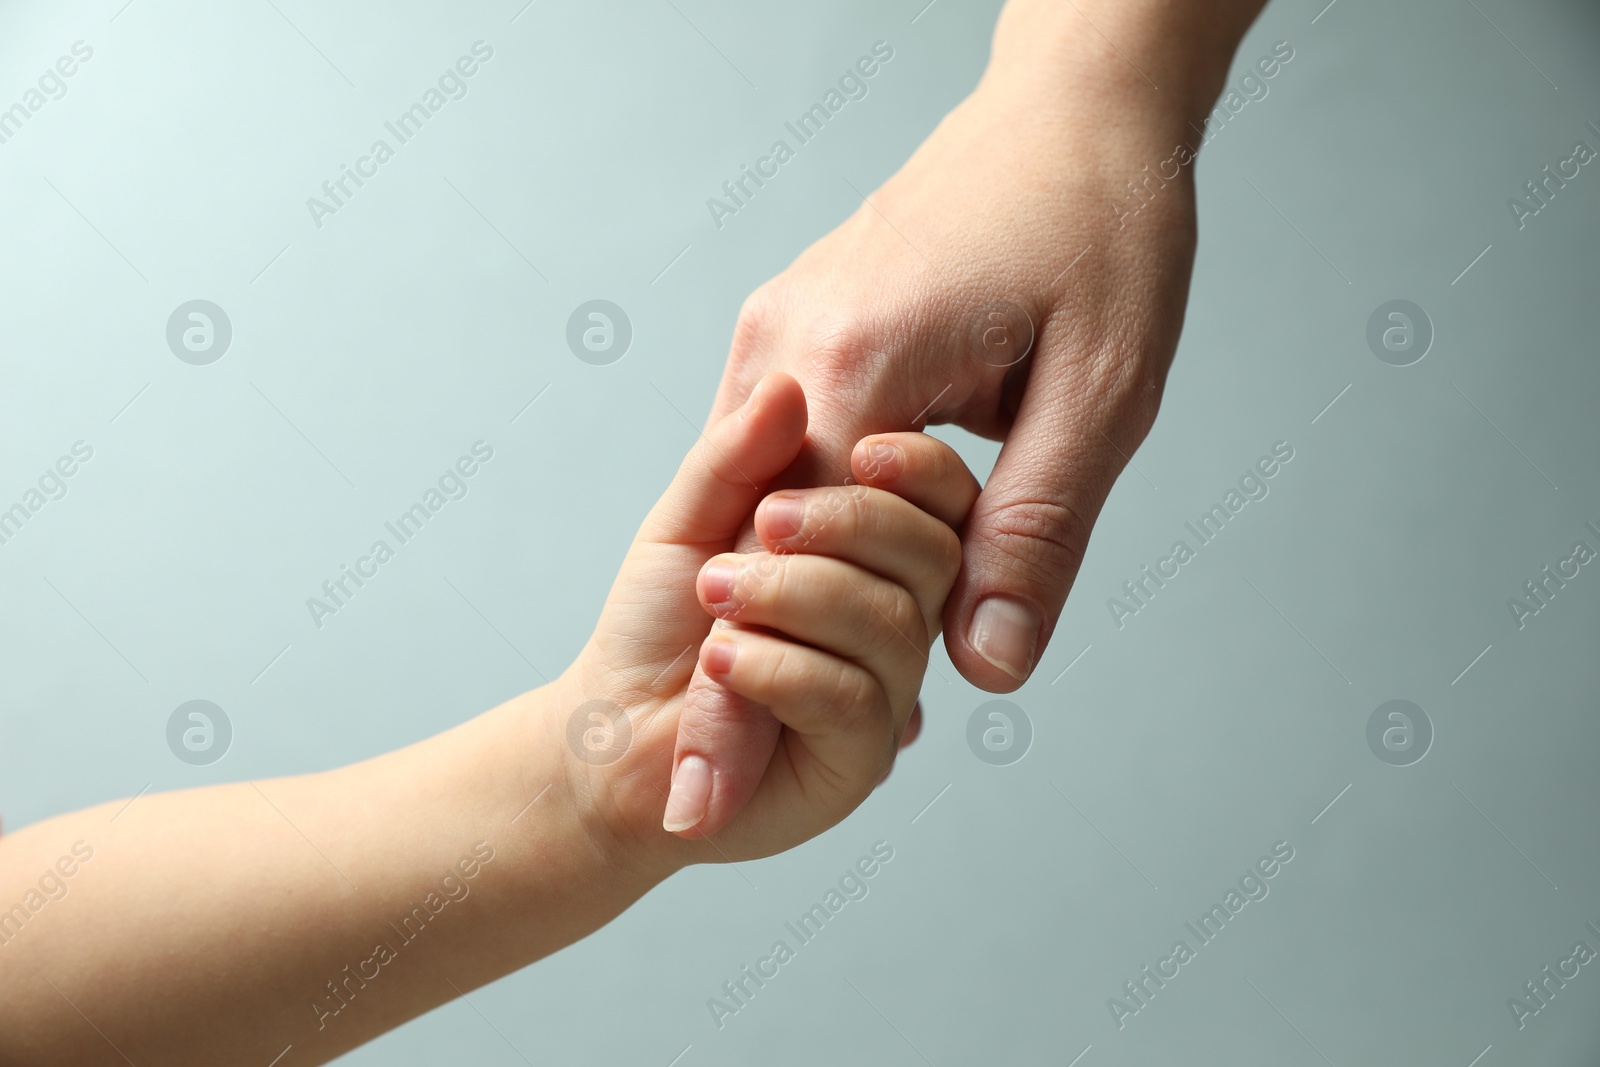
{"x": 778, "y": 667}
{"x": 857, "y": 699}
{"x": 896, "y": 620}
{"x": 907, "y": 615}
{"x": 948, "y": 554}
{"x": 823, "y": 513}
{"x": 855, "y": 507}
{"x": 762, "y": 583}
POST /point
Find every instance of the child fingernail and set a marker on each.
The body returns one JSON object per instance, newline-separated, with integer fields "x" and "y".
{"x": 719, "y": 656}
{"x": 750, "y": 400}
{"x": 690, "y": 794}
{"x": 883, "y": 461}
{"x": 783, "y": 515}
{"x": 716, "y": 583}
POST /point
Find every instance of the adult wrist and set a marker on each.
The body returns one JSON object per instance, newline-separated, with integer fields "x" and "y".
{"x": 1164, "y": 61}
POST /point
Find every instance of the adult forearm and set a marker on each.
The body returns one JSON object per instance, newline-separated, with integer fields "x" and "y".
{"x": 223, "y": 925}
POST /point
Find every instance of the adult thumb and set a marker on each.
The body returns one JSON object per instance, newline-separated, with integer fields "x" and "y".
{"x": 1026, "y": 536}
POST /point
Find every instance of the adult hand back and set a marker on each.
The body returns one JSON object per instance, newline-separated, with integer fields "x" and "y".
{"x": 1023, "y": 276}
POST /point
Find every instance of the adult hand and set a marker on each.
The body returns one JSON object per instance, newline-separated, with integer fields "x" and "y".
{"x": 1044, "y": 218}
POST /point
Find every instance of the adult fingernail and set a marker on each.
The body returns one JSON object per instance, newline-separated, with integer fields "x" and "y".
{"x": 784, "y": 515}
{"x": 716, "y": 583}
{"x": 690, "y": 794}
{"x": 1006, "y": 633}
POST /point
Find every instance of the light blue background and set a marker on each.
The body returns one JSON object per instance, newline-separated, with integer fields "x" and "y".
{"x": 370, "y": 353}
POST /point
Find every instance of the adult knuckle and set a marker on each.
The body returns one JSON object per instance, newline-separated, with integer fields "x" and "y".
{"x": 1044, "y": 537}
{"x": 840, "y": 351}
{"x": 1139, "y": 398}
{"x": 1126, "y": 368}
{"x": 757, "y": 327}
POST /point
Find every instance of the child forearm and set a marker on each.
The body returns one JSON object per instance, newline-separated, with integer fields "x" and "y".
{"x": 226, "y": 924}
{"x": 280, "y": 923}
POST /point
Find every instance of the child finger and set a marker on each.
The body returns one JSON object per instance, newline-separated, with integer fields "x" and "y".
{"x": 840, "y": 710}
{"x": 827, "y": 603}
{"x": 921, "y": 469}
{"x": 871, "y": 528}
{"x": 725, "y": 474}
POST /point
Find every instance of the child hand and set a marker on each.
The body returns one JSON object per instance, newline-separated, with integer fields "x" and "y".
{"x": 831, "y": 627}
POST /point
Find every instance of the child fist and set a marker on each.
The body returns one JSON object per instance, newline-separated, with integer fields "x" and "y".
{"x": 826, "y": 630}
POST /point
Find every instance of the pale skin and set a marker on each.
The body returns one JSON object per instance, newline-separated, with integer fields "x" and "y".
{"x": 1020, "y": 195}
{"x": 204, "y": 926}
{"x": 204, "y": 923}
